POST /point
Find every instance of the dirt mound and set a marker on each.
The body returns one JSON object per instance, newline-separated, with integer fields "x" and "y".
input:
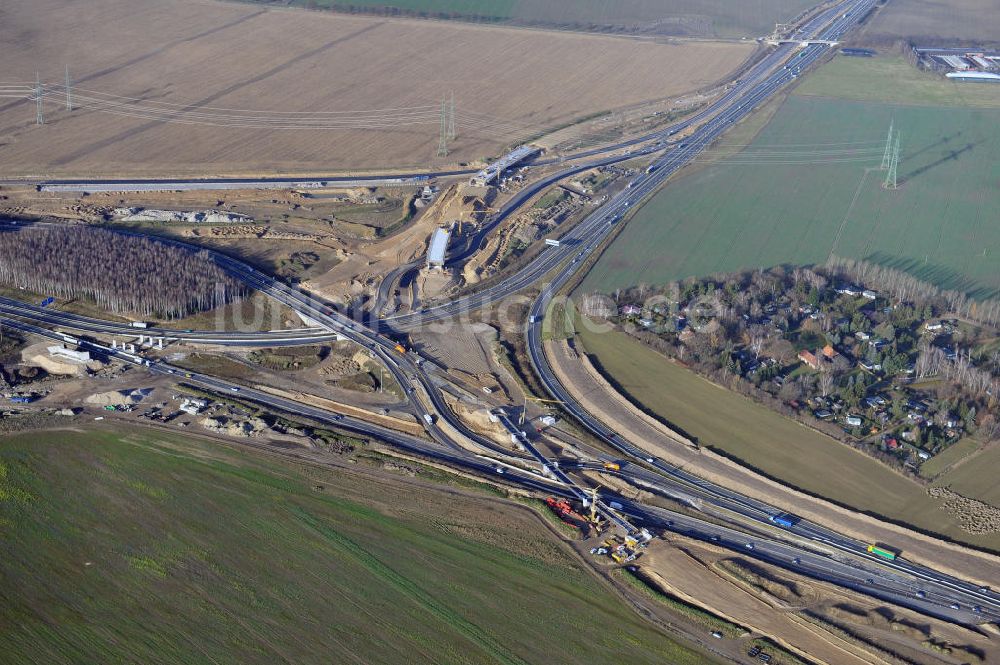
{"x": 118, "y": 397}
{"x": 339, "y": 366}
{"x": 232, "y": 427}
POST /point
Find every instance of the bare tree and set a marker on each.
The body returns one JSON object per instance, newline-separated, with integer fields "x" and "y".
{"x": 826, "y": 382}
{"x": 756, "y": 338}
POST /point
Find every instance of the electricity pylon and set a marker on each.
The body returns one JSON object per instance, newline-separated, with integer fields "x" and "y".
{"x": 887, "y": 155}
{"x": 890, "y": 176}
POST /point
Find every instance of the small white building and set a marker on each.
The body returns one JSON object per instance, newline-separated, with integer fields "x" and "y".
{"x": 193, "y": 406}
{"x": 437, "y": 247}
{"x": 976, "y": 77}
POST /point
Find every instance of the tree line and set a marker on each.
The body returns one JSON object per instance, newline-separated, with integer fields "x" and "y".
{"x": 905, "y": 287}
{"x": 121, "y": 273}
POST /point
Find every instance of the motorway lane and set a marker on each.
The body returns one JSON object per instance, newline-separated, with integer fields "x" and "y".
{"x": 226, "y": 338}
{"x": 867, "y": 573}
{"x": 804, "y": 562}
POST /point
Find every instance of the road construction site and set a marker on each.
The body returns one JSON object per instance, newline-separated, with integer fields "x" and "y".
{"x": 700, "y": 510}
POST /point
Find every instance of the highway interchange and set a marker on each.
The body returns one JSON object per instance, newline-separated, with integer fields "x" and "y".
{"x": 806, "y": 548}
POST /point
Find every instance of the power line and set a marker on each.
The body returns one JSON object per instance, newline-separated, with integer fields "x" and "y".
{"x": 451, "y": 118}
{"x": 443, "y": 139}
{"x": 39, "y": 118}
{"x": 69, "y": 91}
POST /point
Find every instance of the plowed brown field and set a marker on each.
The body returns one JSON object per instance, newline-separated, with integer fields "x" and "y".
{"x": 198, "y": 67}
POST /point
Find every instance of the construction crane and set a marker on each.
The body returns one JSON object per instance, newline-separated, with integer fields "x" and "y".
{"x": 593, "y": 504}
{"x": 482, "y": 211}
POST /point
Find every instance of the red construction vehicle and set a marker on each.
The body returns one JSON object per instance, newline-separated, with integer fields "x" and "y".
{"x": 565, "y": 512}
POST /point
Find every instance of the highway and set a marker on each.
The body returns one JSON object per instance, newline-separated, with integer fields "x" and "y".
{"x": 587, "y": 237}
{"x": 900, "y": 579}
{"x": 759, "y": 84}
{"x": 77, "y": 322}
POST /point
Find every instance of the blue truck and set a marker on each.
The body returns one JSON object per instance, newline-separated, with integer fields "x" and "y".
{"x": 784, "y": 519}
{"x": 21, "y": 399}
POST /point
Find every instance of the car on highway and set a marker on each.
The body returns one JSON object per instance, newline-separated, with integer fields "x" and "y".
{"x": 234, "y": 389}
{"x": 715, "y": 538}
{"x": 797, "y": 560}
{"x": 921, "y": 593}
{"x": 977, "y": 609}
{"x": 749, "y": 546}
{"x": 955, "y": 606}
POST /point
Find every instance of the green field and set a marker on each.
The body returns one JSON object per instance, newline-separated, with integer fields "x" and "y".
{"x": 975, "y": 477}
{"x": 948, "y": 457}
{"x": 894, "y": 81}
{"x": 722, "y": 18}
{"x": 763, "y": 439}
{"x": 809, "y": 185}
{"x": 151, "y": 548}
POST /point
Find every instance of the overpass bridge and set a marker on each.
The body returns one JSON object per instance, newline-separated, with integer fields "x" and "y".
{"x": 802, "y": 43}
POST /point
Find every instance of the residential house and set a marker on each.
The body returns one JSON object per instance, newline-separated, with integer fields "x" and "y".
{"x": 848, "y": 290}
{"x": 630, "y": 310}
{"x": 809, "y": 358}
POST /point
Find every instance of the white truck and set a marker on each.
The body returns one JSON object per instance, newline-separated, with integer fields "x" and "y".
{"x": 140, "y": 324}
{"x": 429, "y": 419}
